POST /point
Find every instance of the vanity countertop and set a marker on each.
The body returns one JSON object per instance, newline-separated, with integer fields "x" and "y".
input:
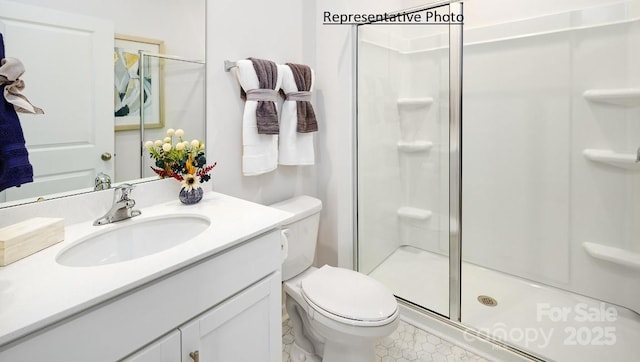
{"x": 37, "y": 291}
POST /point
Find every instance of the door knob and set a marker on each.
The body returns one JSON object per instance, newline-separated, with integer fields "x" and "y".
{"x": 105, "y": 156}
{"x": 195, "y": 356}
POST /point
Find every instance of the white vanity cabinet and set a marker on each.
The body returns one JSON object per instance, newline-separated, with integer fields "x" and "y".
{"x": 226, "y": 306}
{"x": 240, "y": 329}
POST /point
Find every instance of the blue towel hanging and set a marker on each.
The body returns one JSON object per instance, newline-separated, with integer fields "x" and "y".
{"x": 15, "y": 168}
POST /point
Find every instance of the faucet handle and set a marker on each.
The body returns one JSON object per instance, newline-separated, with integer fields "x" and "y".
{"x": 125, "y": 191}
{"x": 102, "y": 181}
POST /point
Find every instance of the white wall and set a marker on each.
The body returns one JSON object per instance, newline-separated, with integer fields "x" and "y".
{"x": 269, "y": 30}
{"x": 334, "y": 52}
{"x": 288, "y": 30}
{"x": 181, "y": 25}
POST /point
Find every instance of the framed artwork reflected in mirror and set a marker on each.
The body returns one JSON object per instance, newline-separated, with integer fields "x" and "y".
{"x": 127, "y": 83}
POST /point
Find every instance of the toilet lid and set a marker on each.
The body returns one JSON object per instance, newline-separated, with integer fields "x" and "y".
{"x": 349, "y": 294}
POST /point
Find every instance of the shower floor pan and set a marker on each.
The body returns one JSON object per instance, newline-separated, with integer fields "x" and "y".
{"x": 546, "y": 321}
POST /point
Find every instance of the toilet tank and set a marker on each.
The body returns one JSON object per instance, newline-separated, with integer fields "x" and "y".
{"x": 300, "y": 233}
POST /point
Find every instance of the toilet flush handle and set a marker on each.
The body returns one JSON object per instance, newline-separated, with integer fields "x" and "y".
{"x": 284, "y": 243}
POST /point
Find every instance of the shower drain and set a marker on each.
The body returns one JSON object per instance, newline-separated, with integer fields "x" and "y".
{"x": 487, "y": 300}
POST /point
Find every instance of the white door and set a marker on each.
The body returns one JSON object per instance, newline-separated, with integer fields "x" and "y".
{"x": 69, "y": 74}
{"x": 246, "y": 328}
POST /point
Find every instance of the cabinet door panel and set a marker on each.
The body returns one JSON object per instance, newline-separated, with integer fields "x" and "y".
{"x": 166, "y": 349}
{"x": 246, "y": 328}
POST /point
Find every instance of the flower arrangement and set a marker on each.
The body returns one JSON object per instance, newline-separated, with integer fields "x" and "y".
{"x": 184, "y": 161}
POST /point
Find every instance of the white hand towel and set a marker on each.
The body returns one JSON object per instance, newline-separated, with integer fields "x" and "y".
{"x": 295, "y": 148}
{"x": 259, "y": 151}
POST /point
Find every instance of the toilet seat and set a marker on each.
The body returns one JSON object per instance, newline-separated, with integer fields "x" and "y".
{"x": 349, "y": 297}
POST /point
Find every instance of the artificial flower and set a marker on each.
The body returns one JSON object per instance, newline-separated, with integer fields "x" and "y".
{"x": 184, "y": 161}
{"x": 191, "y": 182}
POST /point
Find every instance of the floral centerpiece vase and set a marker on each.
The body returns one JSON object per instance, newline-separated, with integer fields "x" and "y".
{"x": 184, "y": 161}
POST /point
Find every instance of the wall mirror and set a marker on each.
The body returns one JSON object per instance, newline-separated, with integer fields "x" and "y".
{"x": 69, "y": 52}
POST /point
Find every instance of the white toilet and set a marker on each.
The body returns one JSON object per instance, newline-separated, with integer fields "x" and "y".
{"x": 338, "y": 314}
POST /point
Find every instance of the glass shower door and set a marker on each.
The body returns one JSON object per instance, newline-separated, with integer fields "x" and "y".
{"x": 403, "y": 160}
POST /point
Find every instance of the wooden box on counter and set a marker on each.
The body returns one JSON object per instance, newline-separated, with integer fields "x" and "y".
{"x": 27, "y": 237}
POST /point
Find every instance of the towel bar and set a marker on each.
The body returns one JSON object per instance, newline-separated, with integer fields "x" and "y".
{"x": 229, "y": 64}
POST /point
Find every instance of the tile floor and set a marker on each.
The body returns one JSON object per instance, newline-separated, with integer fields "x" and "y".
{"x": 407, "y": 343}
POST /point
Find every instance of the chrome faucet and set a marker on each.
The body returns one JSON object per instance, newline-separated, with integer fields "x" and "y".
{"x": 638, "y": 155}
{"x": 122, "y": 207}
{"x": 102, "y": 182}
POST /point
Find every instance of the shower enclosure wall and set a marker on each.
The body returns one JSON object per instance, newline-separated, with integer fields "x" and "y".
{"x": 550, "y": 193}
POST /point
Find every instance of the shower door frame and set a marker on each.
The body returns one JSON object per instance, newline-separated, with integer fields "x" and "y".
{"x": 455, "y": 155}
{"x": 455, "y": 166}
{"x": 455, "y": 179}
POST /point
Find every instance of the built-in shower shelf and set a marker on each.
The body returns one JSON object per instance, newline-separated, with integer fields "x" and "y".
{"x": 414, "y": 102}
{"x": 414, "y": 213}
{"x": 414, "y": 146}
{"x": 619, "y": 97}
{"x": 614, "y": 255}
{"x": 622, "y": 160}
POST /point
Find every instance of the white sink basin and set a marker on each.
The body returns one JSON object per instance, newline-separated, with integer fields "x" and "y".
{"x": 132, "y": 239}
